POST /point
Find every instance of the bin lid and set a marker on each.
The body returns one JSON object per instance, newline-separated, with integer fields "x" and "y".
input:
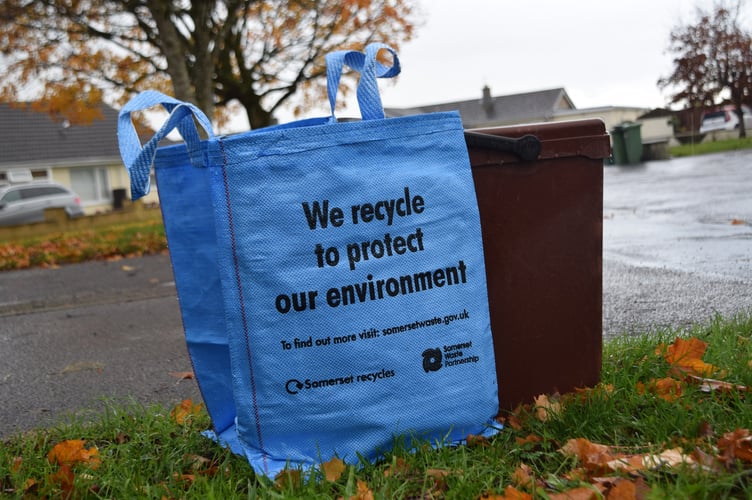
{"x": 583, "y": 138}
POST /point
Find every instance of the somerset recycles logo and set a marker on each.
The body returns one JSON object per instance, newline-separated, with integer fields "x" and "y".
{"x": 293, "y": 386}
{"x": 432, "y": 360}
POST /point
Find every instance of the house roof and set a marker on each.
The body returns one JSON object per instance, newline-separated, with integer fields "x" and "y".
{"x": 487, "y": 110}
{"x": 29, "y": 137}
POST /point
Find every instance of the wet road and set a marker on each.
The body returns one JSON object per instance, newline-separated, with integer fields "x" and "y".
{"x": 688, "y": 214}
{"x": 677, "y": 250}
{"x": 677, "y": 241}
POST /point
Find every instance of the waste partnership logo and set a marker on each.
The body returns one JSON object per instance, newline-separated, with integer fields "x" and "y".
{"x": 432, "y": 360}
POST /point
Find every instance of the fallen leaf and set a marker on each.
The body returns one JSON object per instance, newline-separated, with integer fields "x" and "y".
{"x": 705, "y": 429}
{"x": 474, "y": 441}
{"x": 523, "y": 477}
{"x": 185, "y": 411}
{"x": 197, "y": 462}
{"x": 711, "y": 385}
{"x": 737, "y": 222}
{"x": 288, "y": 479}
{"x": 16, "y": 464}
{"x": 530, "y": 438}
{"x": 182, "y": 375}
{"x": 592, "y": 456}
{"x": 581, "y": 493}
{"x": 72, "y": 452}
{"x": 666, "y": 388}
{"x": 127, "y": 268}
{"x": 64, "y": 478}
{"x": 736, "y": 445}
{"x": 333, "y": 469}
{"x": 398, "y": 466}
{"x": 30, "y": 486}
{"x": 545, "y": 408}
{"x": 687, "y": 356}
{"x": 510, "y": 493}
{"x": 363, "y": 492}
{"x": 622, "y": 490}
{"x": 80, "y": 366}
{"x": 667, "y": 459}
{"x": 439, "y": 486}
{"x": 707, "y": 461}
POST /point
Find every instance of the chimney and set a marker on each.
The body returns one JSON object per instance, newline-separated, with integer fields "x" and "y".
{"x": 487, "y": 102}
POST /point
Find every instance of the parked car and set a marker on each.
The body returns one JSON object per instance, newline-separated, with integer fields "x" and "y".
{"x": 725, "y": 119}
{"x": 25, "y": 203}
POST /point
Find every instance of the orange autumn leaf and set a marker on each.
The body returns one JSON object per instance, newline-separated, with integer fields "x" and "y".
{"x": 581, "y": 493}
{"x": 591, "y": 455}
{"x": 736, "y": 445}
{"x": 523, "y": 476}
{"x": 185, "y": 411}
{"x": 545, "y": 408}
{"x": 738, "y": 222}
{"x": 398, "y": 466}
{"x": 474, "y": 441}
{"x": 529, "y": 439}
{"x": 333, "y": 469}
{"x": 510, "y": 493}
{"x": 63, "y": 477}
{"x": 363, "y": 492}
{"x": 288, "y": 479}
{"x": 668, "y": 389}
{"x": 73, "y": 452}
{"x": 687, "y": 355}
{"x": 182, "y": 375}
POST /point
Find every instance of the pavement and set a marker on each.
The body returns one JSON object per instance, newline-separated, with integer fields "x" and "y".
{"x": 677, "y": 251}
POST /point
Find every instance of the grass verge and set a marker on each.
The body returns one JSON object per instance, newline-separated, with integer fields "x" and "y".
{"x": 657, "y": 426}
{"x": 130, "y": 240}
{"x": 711, "y": 147}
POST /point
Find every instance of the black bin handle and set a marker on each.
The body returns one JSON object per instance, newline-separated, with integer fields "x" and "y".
{"x": 527, "y": 147}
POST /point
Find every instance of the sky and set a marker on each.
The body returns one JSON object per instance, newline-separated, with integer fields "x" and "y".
{"x": 602, "y": 52}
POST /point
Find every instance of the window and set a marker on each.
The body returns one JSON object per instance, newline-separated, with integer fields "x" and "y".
{"x": 13, "y": 195}
{"x": 91, "y": 184}
{"x": 39, "y": 191}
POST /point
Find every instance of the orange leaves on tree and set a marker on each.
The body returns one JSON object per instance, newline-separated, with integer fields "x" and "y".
{"x": 185, "y": 411}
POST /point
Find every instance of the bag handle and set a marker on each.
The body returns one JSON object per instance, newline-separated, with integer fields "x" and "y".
{"x": 370, "y": 69}
{"x": 138, "y": 159}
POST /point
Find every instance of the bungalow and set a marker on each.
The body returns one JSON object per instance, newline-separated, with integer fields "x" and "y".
{"x": 36, "y": 147}
{"x": 528, "y": 107}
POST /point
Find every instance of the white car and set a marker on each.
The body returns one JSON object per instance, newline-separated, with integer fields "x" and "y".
{"x": 25, "y": 203}
{"x": 725, "y": 119}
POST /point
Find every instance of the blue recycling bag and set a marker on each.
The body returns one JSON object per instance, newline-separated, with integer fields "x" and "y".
{"x": 353, "y": 290}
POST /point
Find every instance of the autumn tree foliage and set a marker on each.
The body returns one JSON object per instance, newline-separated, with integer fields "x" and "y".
{"x": 218, "y": 54}
{"x": 712, "y": 61}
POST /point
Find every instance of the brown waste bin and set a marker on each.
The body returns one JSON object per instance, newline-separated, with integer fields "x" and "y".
{"x": 542, "y": 225}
